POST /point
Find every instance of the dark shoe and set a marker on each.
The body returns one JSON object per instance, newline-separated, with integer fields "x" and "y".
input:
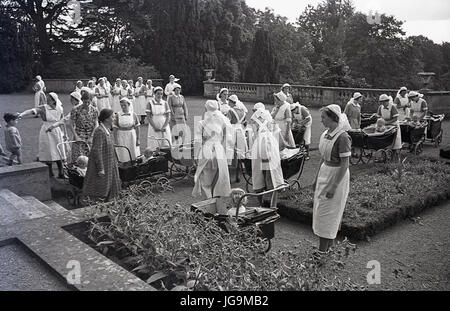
{"x": 62, "y": 176}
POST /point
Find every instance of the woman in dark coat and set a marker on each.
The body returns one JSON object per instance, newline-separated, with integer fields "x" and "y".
{"x": 102, "y": 178}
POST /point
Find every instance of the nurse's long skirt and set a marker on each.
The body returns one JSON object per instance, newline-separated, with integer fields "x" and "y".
{"x": 48, "y": 142}
{"x": 327, "y": 213}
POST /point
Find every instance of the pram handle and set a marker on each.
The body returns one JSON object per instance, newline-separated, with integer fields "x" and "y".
{"x": 59, "y": 146}
{"x": 123, "y": 147}
{"x": 282, "y": 187}
{"x": 159, "y": 140}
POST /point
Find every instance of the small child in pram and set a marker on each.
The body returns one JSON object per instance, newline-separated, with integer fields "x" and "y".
{"x": 415, "y": 121}
{"x": 378, "y": 128}
{"x": 81, "y": 165}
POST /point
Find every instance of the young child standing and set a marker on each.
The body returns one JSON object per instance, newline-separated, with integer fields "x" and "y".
{"x": 13, "y": 140}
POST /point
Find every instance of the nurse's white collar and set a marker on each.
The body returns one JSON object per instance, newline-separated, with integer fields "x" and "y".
{"x": 332, "y": 134}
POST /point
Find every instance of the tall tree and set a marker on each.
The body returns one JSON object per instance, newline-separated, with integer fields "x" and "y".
{"x": 262, "y": 65}
{"x": 291, "y": 47}
{"x": 378, "y": 53}
{"x": 42, "y": 14}
{"x": 16, "y": 53}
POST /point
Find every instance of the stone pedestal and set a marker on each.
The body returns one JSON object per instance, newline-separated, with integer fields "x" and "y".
{"x": 31, "y": 179}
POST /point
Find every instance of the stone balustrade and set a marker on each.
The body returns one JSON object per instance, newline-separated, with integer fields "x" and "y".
{"x": 318, "y": 96}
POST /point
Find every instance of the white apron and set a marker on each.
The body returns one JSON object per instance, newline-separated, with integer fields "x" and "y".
{"x": 416, "y": 108}
{"x": 237, "y": 142}
{"x": 266, "y": 157}
{"x": 307, "y": 135}
{"x": 327, "y": 213}
{"x": 140, "y": 103}
{"x": 280, "y": 120}
{"x": 386, "y": 115}
{"x": 126, "y": 136}
{"x": 212, "y": 164}
{"x": 103, "y": 103}
{"x": 48, "y": 151}
{"x": 158, "y": 116}
{"x": 37, "y": 98}
{"x": 403, "y": 110}
{"x": 116, "y": 99}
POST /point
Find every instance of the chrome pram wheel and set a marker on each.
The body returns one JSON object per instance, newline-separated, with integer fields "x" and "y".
{"x": 71, "y": 197}
{"x": 163, "y": 185}
{"x": 178, "y": 172}
{"x": 389, "y": 155}
{"x": 438, "y": 139}
{"x": 418, "y": 149}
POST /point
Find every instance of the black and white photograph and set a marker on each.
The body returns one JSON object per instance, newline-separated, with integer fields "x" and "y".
{"x": 225, "y": 151}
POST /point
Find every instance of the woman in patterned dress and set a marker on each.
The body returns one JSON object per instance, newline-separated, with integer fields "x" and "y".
{"x": 179, "y": 113}
{"x": 83, "y": 122}
{"x": 102, "y": 177}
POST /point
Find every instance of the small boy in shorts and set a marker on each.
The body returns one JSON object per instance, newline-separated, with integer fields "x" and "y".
{"x": 13, "y": 141}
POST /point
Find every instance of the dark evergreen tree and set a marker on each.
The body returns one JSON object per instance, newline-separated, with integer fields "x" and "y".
{"x": 262, "y": 65}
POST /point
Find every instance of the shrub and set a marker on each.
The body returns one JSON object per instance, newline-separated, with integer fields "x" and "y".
{"x": 185, "y": 251}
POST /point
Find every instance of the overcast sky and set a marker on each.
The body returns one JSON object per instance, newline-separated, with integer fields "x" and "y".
{"x": 430, "y": 18}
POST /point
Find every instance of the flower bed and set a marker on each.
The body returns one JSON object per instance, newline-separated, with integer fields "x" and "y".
{"x": 380, "y": 196}
{"x": 172, "y": 248}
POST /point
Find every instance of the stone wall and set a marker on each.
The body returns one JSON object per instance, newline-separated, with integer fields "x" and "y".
{"x": 317, "y": 96}
{"x": 31, "y": 179}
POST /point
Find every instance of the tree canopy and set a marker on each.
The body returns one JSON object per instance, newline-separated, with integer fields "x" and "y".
{"x": 331, "y": 44}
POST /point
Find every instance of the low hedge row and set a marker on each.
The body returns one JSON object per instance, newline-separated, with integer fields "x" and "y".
{"x": 378, "y": 197}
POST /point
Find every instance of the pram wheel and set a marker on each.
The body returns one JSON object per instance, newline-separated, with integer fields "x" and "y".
{"x": 418, "y": 149}
{"x": 268, "y": 243}
{"x": 389, "y": 155}
{"x": 438, "y": 139}
{"x": 356, "y": 156}
{"x": 71, "y": 198}
{"x": 163, "y": 184}
{"x": 366, "y": 156}
{"x": 146, "y": 187}
{"x": 178, "y": 172}
{"x": 380, "y": 156}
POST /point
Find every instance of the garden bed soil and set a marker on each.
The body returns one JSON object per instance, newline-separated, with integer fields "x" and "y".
{"x": 374, "y": 202}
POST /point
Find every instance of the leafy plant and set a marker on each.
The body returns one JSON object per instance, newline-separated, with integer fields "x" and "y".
{"x": 173, "y": 248}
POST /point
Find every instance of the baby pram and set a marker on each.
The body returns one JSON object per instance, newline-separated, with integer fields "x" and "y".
{"x": 263, "y": 218}
{"x": 291, "y": 167}
{"x": 414, "y": 136}
{"x": 74, "y": 195}
{"x": 368, "y": 119}
{"x": 366, "y": 144}
{"x": 140, "y": 171}
{"x": 182, "y": 159}
{"x": 434, "y": 129}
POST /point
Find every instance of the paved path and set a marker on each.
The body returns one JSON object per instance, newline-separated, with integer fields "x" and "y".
{"x": 412, "y": 254}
